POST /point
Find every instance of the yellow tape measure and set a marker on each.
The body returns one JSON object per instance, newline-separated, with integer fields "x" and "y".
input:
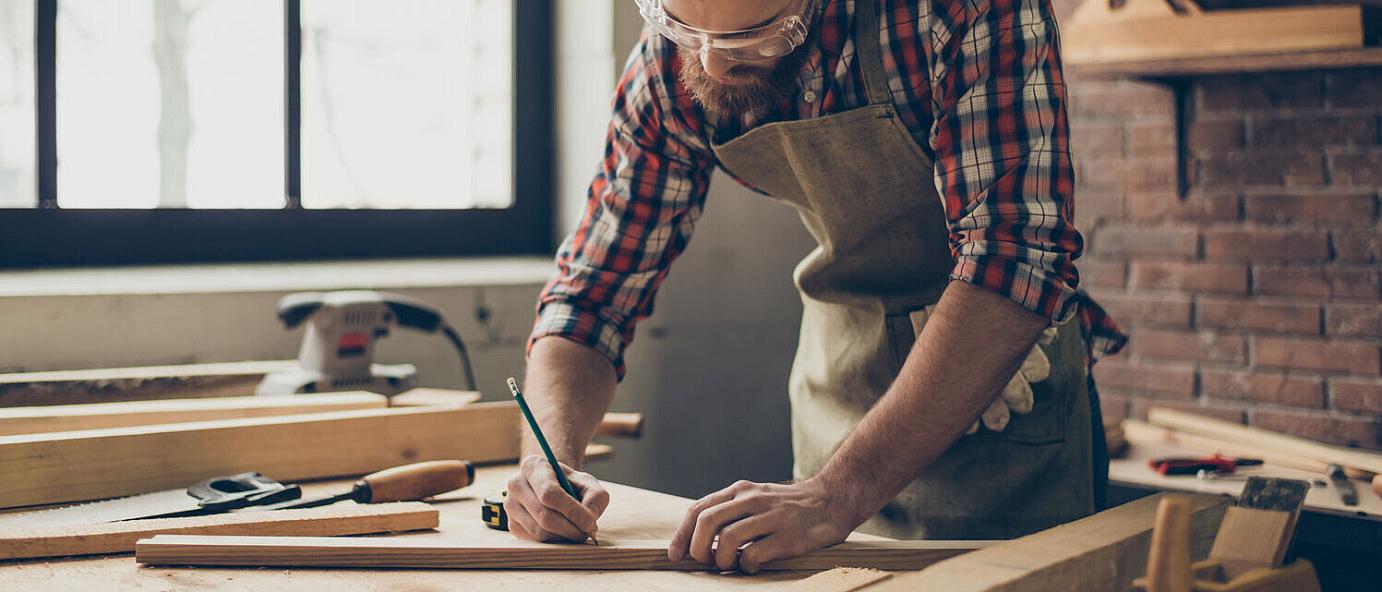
{"x": 492, "y": 512}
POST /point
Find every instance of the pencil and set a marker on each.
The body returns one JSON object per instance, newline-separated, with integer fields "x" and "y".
{"x": 542, "y": 441}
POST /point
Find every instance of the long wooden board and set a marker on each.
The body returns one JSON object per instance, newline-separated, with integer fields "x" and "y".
{"x": 120, "y": 537}
{"x": 64, "y": 418}
{"x": 1264, "y": 439}
{"x": 102, "y": 385}
{"x": 1105, "y": 551}
{"x": 649, "y": 555}
{"x": 93, "y": 464}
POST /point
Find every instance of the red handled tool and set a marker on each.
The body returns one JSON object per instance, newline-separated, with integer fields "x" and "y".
{"x": 1189, "y": 465}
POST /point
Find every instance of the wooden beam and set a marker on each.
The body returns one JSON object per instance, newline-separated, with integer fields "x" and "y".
{"x": 433, "y": 553}
{"x": 119, "y": 537}
{"x": 105, "y": 385}
{"x": 62, "y": 418}
{"x": 93, "y": 464}
{"x": 1105, "y": 551}
{"x": 1265, "y": 439}
{"x": 621, "y": 424}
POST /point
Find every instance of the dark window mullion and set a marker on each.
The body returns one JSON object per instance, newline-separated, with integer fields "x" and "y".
{"x": 46, "y": 103}
{"x": 292, "y": 103}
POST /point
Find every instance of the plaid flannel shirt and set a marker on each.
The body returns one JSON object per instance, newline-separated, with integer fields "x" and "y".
{"x": 978, "y": 83}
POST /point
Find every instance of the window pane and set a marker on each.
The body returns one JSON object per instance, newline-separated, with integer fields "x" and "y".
{"x": 170, "y": 103}
{"x": 407, "y": 104}
{"x": 17, "y": 104}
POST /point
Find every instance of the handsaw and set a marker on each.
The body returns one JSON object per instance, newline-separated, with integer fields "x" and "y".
{"x": 212, "y": 496}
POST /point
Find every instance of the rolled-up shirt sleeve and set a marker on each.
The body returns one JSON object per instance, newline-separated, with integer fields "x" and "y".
{"x": 1001, "y": 140}
{"x": 640, "y": 211}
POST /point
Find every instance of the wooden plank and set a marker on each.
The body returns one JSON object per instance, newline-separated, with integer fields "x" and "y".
{"x": 119, "y": 537}
{"x": 62, "y": 418}
{"x": 1261, "y": 62}
{"x": 639, "y": 555}
{"x": 1268, "y": 30}
{"x": 104, "y": 385}
{"x": 432, "y": 397}
{"x": 621, "y": 424}
{"x": 840, "y": 579}
{"x": 1266, "y": 440}
{"x": 1105, "y": 551}
{"x": 93, "y": 464}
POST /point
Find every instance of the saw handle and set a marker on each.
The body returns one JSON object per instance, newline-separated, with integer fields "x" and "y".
{"x": 413, "y": 482}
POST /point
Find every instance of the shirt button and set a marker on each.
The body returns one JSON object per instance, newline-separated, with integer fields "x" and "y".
{"x": 810, "y": 96}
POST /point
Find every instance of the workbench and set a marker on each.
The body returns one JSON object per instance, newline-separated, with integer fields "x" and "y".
{"x": 633, "y": 514}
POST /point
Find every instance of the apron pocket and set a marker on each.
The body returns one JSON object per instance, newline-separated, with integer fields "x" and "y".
{"x": 1045, "y": 424}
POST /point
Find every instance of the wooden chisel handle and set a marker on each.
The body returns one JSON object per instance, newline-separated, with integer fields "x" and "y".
{"x": 621, "y": 424}
{"x": 1168, "y": 560}
{"x": 413, "y": 482}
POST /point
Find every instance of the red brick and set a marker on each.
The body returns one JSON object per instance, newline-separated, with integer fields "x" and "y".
{"x": 1275, "y": 90}
{"x": 1364, "y": 283}
{"x": 1134, "y": 174}
{"x": 1348, "y": 209}
{"x": 1219, "y": 278}
{"x": 1175, "y": 241}
{"x": 1353, "y": 357}
{"x": 1159, "y": 379}
{"x": 1314, "y": 131}
{"x": 1266, "y": 244}
{"x": 1356, "y": 167}
{"x": 1215, "y": 136}
{"x": 1096, "y": 138}
{"x": 1152, "y": 138}
{"x": 1256, "y": 315}
{"x": 1263, "y": 387}
{"x": 1361, "y": 246}
{"x": 1226, "y": 413}
{"x": 1138, "y": 310}
{"x": 1093, "y": 209}
{"x": 1354, "y": 88}
{"x": 1189, "y": 346}
{"x": 1123, "y": 100}
{"x": 1196, "y": 207}
{"x": 1277, "y": 167}
{"x": 1348, "y": 431}
{"x": 1102, "y": 273}
{"x": 1362, "y": 395}
{"x": 1353, "y": 320}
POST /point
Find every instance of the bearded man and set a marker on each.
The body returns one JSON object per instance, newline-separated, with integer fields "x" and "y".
{"x": 940, "y": 387}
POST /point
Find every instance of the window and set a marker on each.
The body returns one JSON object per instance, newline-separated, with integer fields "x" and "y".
{"x": 149, "y": 131}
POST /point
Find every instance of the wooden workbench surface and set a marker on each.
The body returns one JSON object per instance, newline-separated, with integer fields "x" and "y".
{"x": 633, "y": 514}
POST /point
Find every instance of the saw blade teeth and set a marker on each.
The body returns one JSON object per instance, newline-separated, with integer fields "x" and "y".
{"x": 97, "y": 512}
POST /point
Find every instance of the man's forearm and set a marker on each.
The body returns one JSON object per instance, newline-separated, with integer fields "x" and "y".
{"x": 971, "y": 345}
{"x": 569, "y": 387}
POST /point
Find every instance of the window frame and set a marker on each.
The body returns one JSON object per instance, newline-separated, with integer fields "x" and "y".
{"x": 48, "y": 236}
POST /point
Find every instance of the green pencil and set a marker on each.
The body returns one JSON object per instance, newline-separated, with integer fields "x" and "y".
{"x": 542, "y": 441}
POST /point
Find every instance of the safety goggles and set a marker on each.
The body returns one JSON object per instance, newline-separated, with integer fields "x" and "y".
{"x": 767, "y": 42}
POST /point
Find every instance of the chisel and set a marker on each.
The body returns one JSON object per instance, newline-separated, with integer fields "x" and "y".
{"x": 399, "y": 484}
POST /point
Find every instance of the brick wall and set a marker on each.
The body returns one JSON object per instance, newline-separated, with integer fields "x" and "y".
{"x": 1258, "y": 296}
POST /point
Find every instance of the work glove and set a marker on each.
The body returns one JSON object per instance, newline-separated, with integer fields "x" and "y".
{"x": 1017, "y": 394}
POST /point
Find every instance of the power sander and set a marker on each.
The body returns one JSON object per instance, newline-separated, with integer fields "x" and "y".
{"x": 338, "y": 348}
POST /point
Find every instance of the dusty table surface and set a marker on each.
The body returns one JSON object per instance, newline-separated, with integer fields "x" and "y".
{"x": 633, "y": 514}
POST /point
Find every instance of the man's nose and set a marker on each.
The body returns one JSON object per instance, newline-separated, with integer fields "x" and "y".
{"x": 714, "y": 65}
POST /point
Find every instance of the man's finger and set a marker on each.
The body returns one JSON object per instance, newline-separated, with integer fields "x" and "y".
{"x": 549, "y": 492}
{"x": 681, "y": 539}
{"x": 770, "y": 548}
{"x": 712, "y": 521}
{"x": 542, "y": 517}
{"x": 593, "y": 495}
{"x": 744, "y": 531}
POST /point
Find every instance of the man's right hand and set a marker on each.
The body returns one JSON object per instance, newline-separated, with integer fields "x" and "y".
{"x": 540, "y": 510}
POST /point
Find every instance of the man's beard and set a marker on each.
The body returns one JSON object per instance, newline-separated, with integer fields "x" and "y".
{"x": 756, "y": 89}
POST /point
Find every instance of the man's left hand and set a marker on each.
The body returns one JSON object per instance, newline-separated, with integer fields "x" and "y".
{"x": 774, "y": 521}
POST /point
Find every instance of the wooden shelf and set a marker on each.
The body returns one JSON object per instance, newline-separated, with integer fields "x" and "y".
{"x": 1199, "y": 66}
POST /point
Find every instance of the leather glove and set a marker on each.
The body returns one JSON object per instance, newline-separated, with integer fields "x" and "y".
{"x": 1017, "y": 394}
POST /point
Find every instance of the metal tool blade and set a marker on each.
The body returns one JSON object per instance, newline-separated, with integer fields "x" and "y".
{"x": 125, "y": 508}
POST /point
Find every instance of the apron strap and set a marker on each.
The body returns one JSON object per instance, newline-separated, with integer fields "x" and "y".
{"x": 868, "y": 55}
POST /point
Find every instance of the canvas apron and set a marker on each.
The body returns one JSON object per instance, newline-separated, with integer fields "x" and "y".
{"x": 865, "y": 190}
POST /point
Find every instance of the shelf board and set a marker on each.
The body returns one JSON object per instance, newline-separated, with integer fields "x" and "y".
{"x": 1199, "y": 66}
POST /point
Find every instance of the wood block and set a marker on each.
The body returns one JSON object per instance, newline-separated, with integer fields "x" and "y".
{"x": 432, "y": 553}
{"x": 840, "y": 579}
{"x": 1250, "y": 538}
{"x": 1105, "y": 551}
{"x": 93, "y": 464}
{"x": 1265, "y": 440}
{"x": 119, "y": 537}
{"x": 61, "y": 418}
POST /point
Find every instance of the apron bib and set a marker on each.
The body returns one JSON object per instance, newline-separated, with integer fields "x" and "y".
{"x": 866, "y": 192}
